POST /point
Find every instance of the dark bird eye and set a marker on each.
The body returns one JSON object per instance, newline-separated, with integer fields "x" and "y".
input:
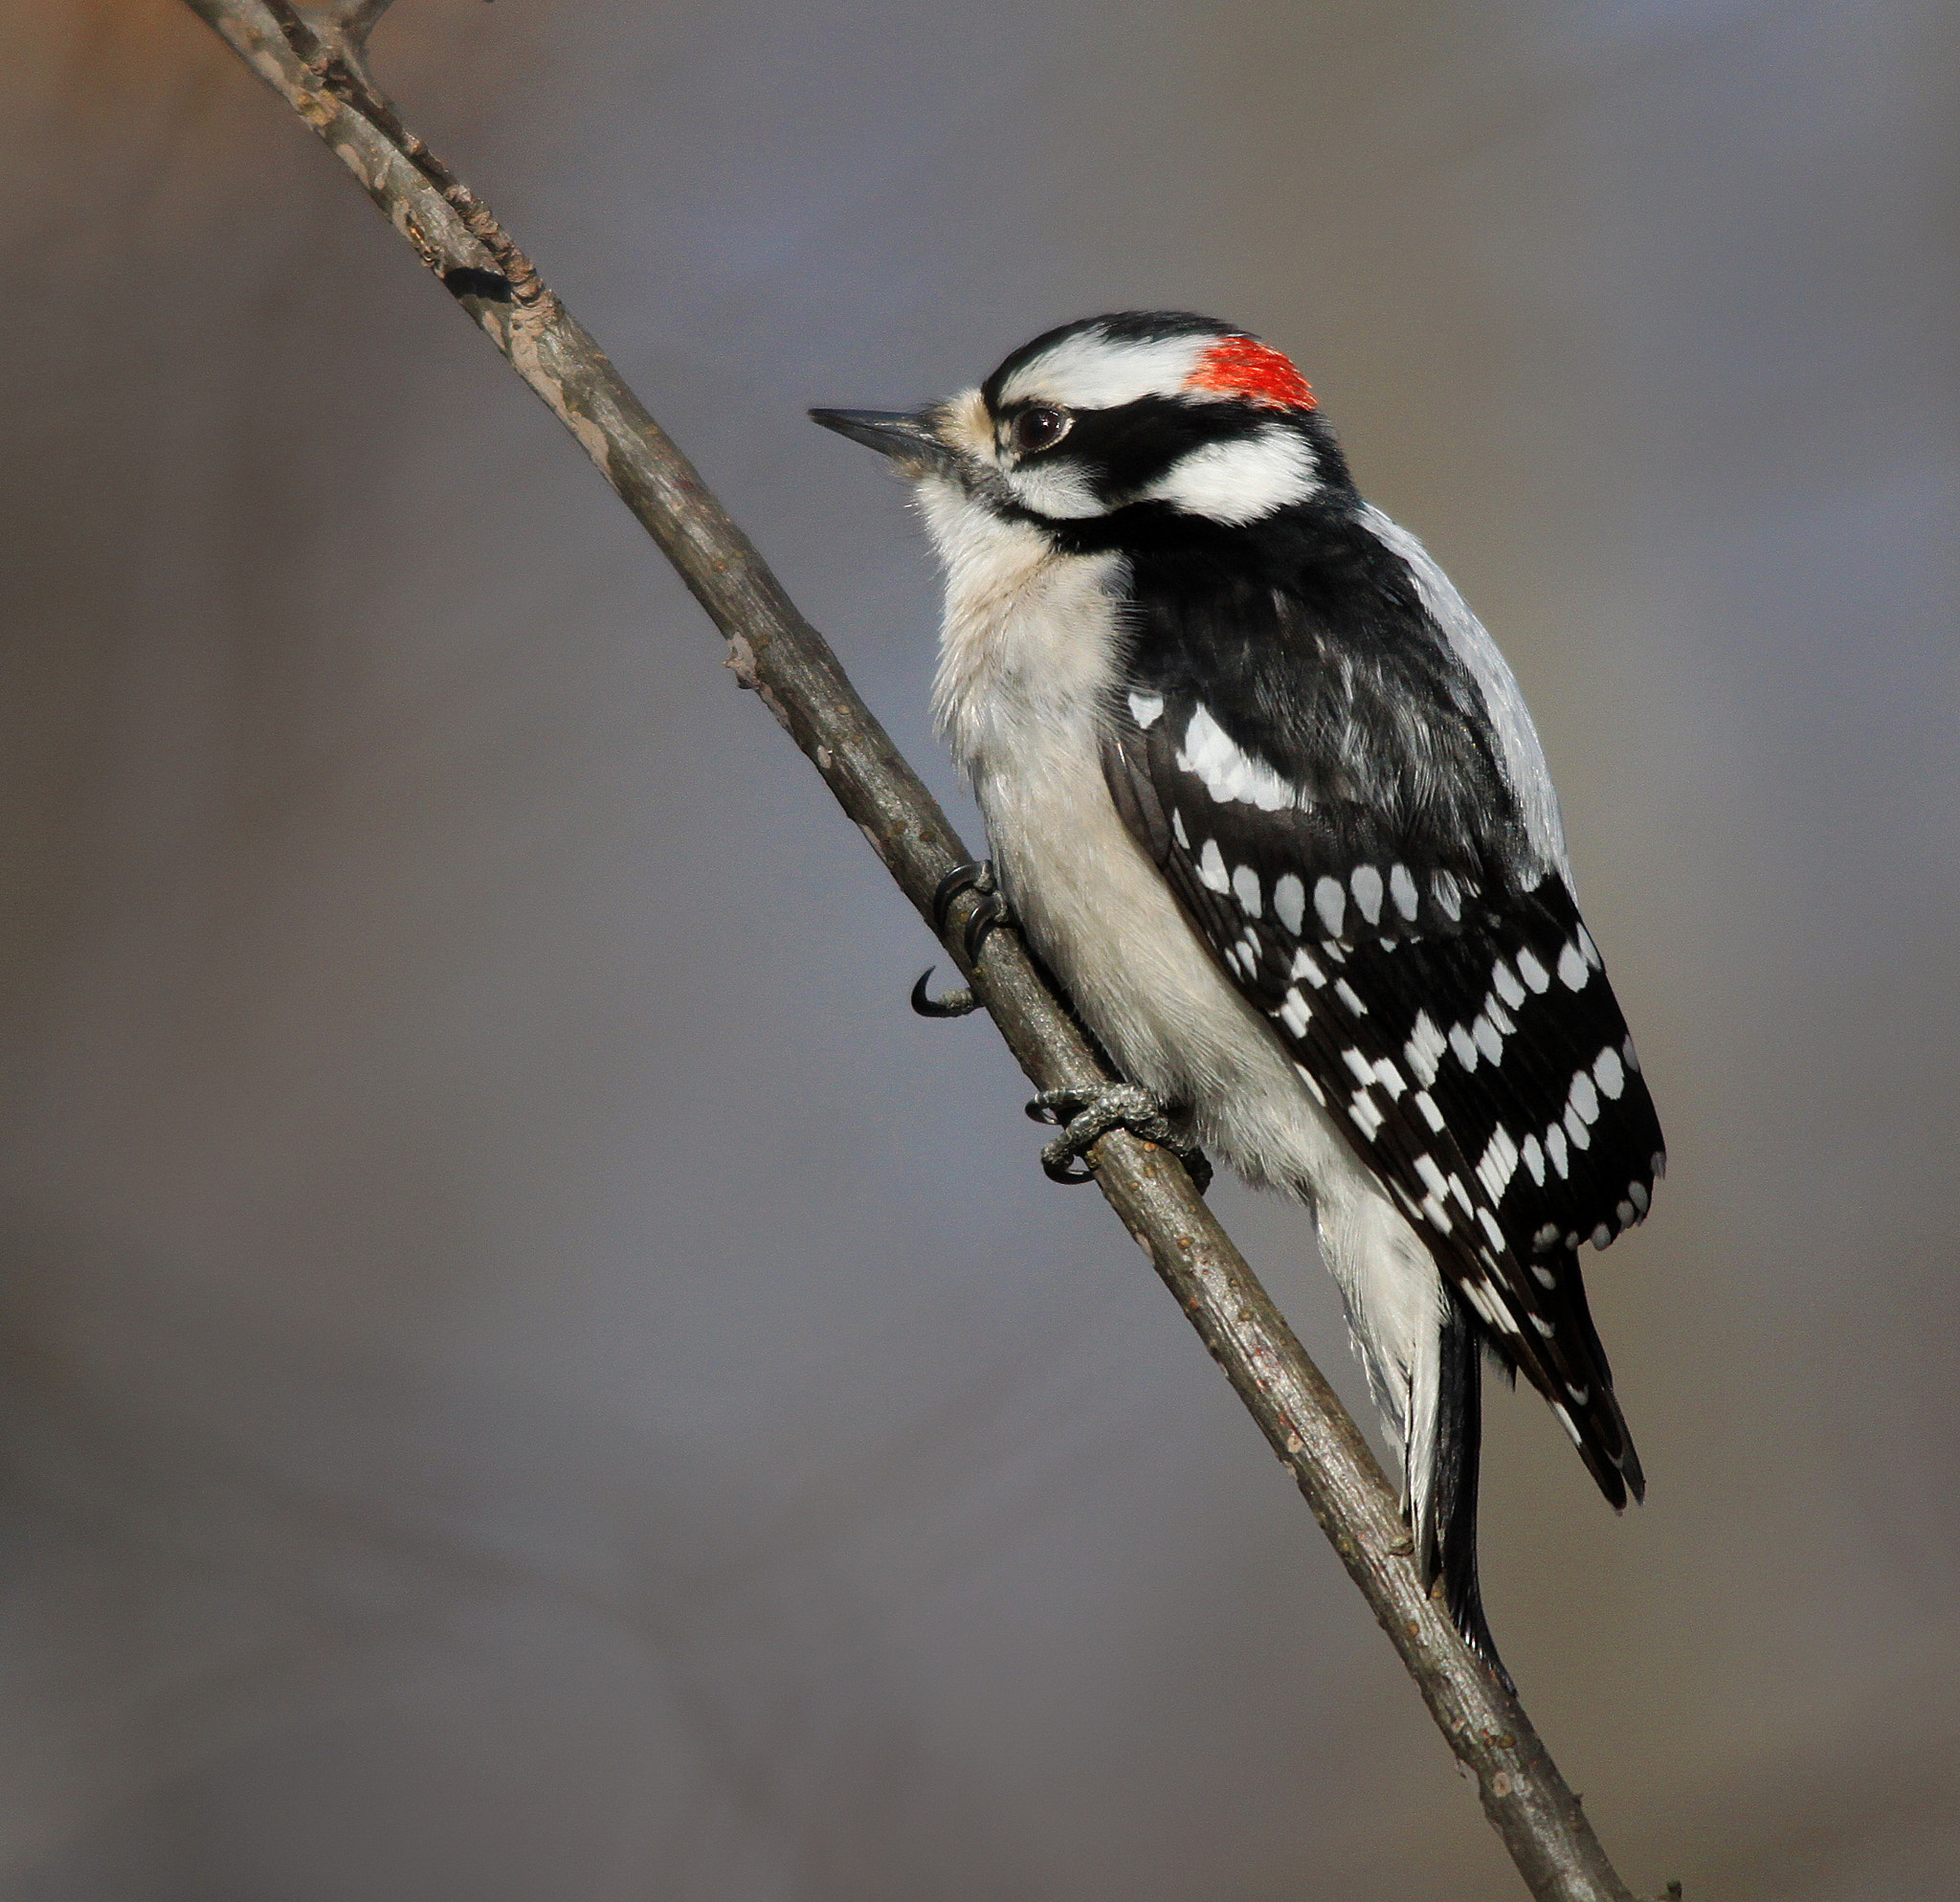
{"x": 1040, "y": 427}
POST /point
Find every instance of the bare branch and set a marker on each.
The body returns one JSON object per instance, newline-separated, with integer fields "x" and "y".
{"x": 775, "y": 651}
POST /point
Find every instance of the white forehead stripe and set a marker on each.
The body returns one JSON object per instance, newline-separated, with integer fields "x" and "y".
{"x": 1094, "y": 372}
{"x": 1239, "y": 482}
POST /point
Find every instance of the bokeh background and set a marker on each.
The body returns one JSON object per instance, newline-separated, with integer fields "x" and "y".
{"x": 525, "y": 1371}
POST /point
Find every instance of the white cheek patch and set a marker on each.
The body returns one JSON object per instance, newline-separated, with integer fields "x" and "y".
{"x": 1057, "y": 490}
{"x": 1235, "y": 482}
{"x": 1090, "y": 371}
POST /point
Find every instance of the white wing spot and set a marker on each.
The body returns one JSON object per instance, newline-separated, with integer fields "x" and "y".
{"x": 1499, "y": 1164}
{"x": 1488, "y": 1039}
{"x": 1424, "y": 1049}
{"x": 1177, "y": 830}
{"x": 1534, "y": 1160}
{"x": 1565, "y": 1420}
{"x": 1331, "y": 903}
{"x": 1245, "y": 887}
{"x": 1504, "y": 981}
{"x": 1637, "y": 1193}
{"x": 1533, "y": 972}
{"x": 1402, "y": 890}
{"x": 1572, "y": 969}
{"x": 1543, "y": 1275}
{"x": 1449, "y": 894}
{"x": 1146, "y": 709}
{"x": 1602, "y": 1236}
{"x": 1228, "y": 773}
{"x": 1347, "y": 994}
{"x": 1625, "y": 1212}
{"x": 1304, "y": 966}
{"x": 1633, "y": 1061}
{"x": 1587, "y": 949}
{"x": 1294, "y": 1013}
{"x": 1585, "y": 1099}
{"x": 1544, "y": 1239}
{"x": 1465, "y": 1049}
{"x": 1580, "y": 1395}
{"x": 1576, "y": 1127}
{"x": 1555, "y": 1149}
{"x": 1367, "y": 1119}
{"x": 1289, "y": 902}
{"x": 1430, "y": 1114}
{"x": 1366, "y": 884}
{"x": 1542, "y": 1325}
{"x": 1613, "y": 1077}
{"x": 1658, "y": 1163}
{"x": 1211, "y": 868}
{"x": 1391, "y": 1079}
{"x": 1307, "y": 1076}
{"x": 1491, "y": 1229}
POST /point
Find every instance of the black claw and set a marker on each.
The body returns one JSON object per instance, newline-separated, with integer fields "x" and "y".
{"x": 975, "y": 874}
{"x": 955, "y": 1004}
{"x": 1068, "y": 1169}
{"x": 988, "y": 912}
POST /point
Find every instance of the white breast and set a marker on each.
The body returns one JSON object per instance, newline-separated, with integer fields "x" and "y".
{"x": 1027, "y": 664}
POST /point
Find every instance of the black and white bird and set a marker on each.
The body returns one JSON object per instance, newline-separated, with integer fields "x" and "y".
{"x": 1264, "y": 796}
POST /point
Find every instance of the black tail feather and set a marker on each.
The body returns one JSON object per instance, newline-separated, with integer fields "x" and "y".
{"x": 1459, "y": 1445}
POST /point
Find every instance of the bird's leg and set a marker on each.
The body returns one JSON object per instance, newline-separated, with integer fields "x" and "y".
{"x": 988, "y": 911}
{"x": 1089, "y": 1115}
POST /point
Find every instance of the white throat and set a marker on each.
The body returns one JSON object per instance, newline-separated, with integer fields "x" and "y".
{"x": 1029, "y": 646}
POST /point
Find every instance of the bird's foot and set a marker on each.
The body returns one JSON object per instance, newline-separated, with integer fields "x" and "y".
{"x": 990, "y": 910}
{"x": 1086, "y": 1115}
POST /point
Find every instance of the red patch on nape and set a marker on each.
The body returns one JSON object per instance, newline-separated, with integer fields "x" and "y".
{"x": 1245, "y": 367}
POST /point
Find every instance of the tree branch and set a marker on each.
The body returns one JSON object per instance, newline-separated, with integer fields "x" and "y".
{"x": 314, "y": 62}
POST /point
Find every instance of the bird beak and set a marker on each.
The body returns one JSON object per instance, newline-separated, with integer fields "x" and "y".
{"x": 912, "y": 441}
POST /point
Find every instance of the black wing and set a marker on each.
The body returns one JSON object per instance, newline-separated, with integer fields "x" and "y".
{"x": 1360, "y": 871}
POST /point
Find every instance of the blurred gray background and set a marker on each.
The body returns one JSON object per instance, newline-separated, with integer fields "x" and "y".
{"x": 525, "y": 1371}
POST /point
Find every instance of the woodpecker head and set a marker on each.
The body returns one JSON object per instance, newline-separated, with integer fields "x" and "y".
{"x": 1119, "y": 427}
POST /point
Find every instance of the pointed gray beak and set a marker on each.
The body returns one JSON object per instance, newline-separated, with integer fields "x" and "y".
{"x": 912, "y": 441}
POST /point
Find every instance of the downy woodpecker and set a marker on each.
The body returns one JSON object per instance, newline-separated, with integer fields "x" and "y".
{"x": 1264, "y": 796}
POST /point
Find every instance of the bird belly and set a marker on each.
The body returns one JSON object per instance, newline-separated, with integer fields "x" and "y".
{"x": 1102, "y": 917}
{"x": 1099, "y": 915}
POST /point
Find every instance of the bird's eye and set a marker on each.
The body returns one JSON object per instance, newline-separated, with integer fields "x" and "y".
{"x": 1040, "y": 427}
